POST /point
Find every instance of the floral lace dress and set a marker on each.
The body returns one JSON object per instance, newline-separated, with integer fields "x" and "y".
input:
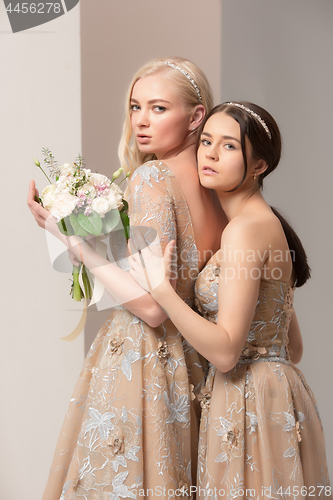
{"x": 132, "y": 424}
{"x": 260, "y": 434}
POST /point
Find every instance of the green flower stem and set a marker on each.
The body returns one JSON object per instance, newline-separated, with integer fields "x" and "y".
{"x": 77, "y": 293}
{"x": 44, "y": 174}
{"x": 86, "y": 282}
{"x": 126, "y": 177}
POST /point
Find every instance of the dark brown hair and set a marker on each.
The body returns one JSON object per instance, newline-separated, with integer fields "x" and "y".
{"x": 268, "y": 148}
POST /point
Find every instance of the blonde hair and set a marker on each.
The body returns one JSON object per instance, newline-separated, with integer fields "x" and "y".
{"x": 129, "y": 154}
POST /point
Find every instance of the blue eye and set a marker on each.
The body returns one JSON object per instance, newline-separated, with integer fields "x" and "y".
{"x": 159, "y": 109}
{"x": 205, "y": 142}
{"x": 230, "y": 147}
{"x": 134, "y": 107}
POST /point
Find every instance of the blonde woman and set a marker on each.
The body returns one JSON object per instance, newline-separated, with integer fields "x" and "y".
{"x": 131, "y": 428}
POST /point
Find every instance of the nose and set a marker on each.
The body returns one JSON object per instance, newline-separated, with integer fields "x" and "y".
{"x": 212, "y": 154}
{"x": 142, "y": 118}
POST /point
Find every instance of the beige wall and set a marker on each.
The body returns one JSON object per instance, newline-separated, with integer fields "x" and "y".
{"x": 40, "y": 106}
{"x": 279, "y": 55}
{"x": 118, "y": 38}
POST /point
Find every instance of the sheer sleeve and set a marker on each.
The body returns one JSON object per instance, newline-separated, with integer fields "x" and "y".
{"x": 151, "y": 202}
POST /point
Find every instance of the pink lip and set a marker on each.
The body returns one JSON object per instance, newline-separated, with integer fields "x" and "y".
{"x": 208, "y": 170}
{"x": 143, "y": 139}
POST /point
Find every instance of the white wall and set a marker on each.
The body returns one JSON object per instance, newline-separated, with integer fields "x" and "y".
{"x": 279, "y": 55}
{"x": 40, "y": 106}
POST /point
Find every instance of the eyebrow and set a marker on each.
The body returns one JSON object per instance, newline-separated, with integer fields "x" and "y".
{"x": 223, "y": 137}
{"x": 152, "y": 101}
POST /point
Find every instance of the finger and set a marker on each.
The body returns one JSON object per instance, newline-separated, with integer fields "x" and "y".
{"x": 32, "y": 204}
{"x": 131, "y": 247}
{"x": 169, "y": 250}
{"x": 137, "y": 239}
{"x": 31, "y": 191}
{"x": 168, "y": 258}
{"x": 73, "y": 259}
{"x": 133, "y": 262}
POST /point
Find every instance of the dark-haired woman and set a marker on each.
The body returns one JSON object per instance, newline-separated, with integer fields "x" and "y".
{"x": 261, "y": 434}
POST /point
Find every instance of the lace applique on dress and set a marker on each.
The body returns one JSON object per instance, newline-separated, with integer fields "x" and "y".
{"x": 257, "y": 416}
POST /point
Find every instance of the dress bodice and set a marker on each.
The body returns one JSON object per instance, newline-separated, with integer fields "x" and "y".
{"x": 268, "y": 334}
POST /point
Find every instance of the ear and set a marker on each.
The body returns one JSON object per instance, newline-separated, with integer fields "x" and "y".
{"x": 198, "y": 114}
{"x": 260, "y": 167}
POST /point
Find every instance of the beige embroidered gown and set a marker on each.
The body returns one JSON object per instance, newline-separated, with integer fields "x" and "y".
{"x": 260, "y": 433}
{"x": 132, "y": 424}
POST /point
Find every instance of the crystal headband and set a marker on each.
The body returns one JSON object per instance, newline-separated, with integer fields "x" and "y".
{"x": 188, "y": 76}
{"x": 252, "y": 113}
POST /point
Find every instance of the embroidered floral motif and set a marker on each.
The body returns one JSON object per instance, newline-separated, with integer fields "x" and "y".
{"x": 116, "y": 444}
{"x": 183, "y": 485}
{"x": 116, "y": 345}
{"x": 204, "y": 398}
{"x": 217, "y": 271}
{"x": 192, "y": 395}
{"x": 231, "y": 437}
{"x": 182, "y": 489}
{"x": 254, "y": 352}
{"x": 163, "y": 352}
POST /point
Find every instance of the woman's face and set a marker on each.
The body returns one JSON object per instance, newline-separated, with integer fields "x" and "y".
{"x": 220, "y": 157}
{"x": 159, "y": 118}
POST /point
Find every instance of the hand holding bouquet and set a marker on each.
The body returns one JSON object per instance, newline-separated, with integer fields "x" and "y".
{"x": 85, "y": 204}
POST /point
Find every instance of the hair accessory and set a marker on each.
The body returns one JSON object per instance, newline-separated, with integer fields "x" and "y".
{"x": 188, "y": 76}
{"x": 252, "y": 113}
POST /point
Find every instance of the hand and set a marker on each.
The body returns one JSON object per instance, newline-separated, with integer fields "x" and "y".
{"x": 42, "y": 216}
{"x": 148, "y": 267}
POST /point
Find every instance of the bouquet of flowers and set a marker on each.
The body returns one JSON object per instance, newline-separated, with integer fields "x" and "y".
{"x": 85, "y": 204}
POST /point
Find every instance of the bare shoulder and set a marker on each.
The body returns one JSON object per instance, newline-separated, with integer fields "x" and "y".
{"x": 251, "y": 229}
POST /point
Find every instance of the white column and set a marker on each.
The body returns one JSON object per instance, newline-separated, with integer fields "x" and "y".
{"x": 40, "y": 106}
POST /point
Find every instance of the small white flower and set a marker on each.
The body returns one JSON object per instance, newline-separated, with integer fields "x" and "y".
{"x": 87, "y": 189}
{"x": 48, "y": 196}
{"x": 63, "y": 205}
{"x": 100, "y": 205}
{"x": 99, "y": 180}
{"x": 67, "y": 168}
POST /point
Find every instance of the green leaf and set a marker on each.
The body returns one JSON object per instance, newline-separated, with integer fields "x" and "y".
{"x": 125, "y": 221}
{"x": 110, "y": 221}
{"x": 91, "y": 223}
{"x": 65, "y": 227}
{"x": 76, "y": 226}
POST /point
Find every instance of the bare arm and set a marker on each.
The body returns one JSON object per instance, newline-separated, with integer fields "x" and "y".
{"x": 220, "y": 343}
{"x": 295, "y": 344}
{"x": 119, "y": 283}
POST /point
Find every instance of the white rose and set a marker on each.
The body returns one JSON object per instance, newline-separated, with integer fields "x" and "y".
{"x": 48, "y": 196}
{"x": 99, "y": 180}
{"x": 116, "y": 188}
{"x": 115, "y": 199}
{"x": 100, "y": 205}
{"x": 67, "y": 168}
{"x": 63, "y": 205}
